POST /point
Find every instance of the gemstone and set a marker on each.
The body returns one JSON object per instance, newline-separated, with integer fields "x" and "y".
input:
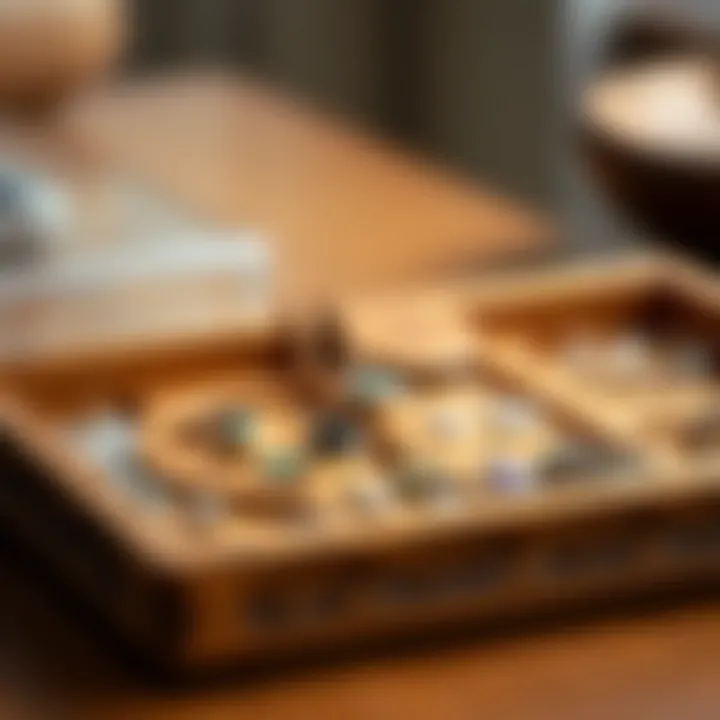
{"x": 511, "y": 475}
{"x": 233, "y": 429}
{"x": 284, "y": 467}
{"x": 334, "y": 434}
{"x": 373, "y": 384}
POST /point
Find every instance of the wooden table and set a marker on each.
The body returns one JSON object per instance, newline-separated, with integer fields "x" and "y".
{"x": 343, "y": 210}
{"x": 346, "y": 212}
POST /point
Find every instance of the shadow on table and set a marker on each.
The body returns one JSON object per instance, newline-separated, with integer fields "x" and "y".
{"x": 56, "y": 655}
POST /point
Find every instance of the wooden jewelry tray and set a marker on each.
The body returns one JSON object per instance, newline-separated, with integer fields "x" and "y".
{"x": 428, "y": 457}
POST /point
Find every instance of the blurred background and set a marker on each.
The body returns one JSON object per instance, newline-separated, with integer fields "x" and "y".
{"x": 472, "y": 83}
{"x": 481, "y": 86}
{"x": 489, "y": 87}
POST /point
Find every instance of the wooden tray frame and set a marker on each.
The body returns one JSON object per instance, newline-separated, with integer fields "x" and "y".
{"x": 195, "y": 599}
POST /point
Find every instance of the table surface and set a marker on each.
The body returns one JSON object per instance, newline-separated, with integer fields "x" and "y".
{"x": 346, "y": 212}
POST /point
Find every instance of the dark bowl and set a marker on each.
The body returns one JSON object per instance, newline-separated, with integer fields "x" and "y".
{"x": 672, "y": 197}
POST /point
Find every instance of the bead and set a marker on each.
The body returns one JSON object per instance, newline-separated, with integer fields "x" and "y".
{"x": 511, "y": 475}
{"x": 370, "y": 385}
{"x": 233, "y": 429}
{"x": 284, "y": 467}
{"x": 333, "y": 434}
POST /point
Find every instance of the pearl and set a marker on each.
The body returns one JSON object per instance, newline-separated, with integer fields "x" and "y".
{"x": 511, "y": 475}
